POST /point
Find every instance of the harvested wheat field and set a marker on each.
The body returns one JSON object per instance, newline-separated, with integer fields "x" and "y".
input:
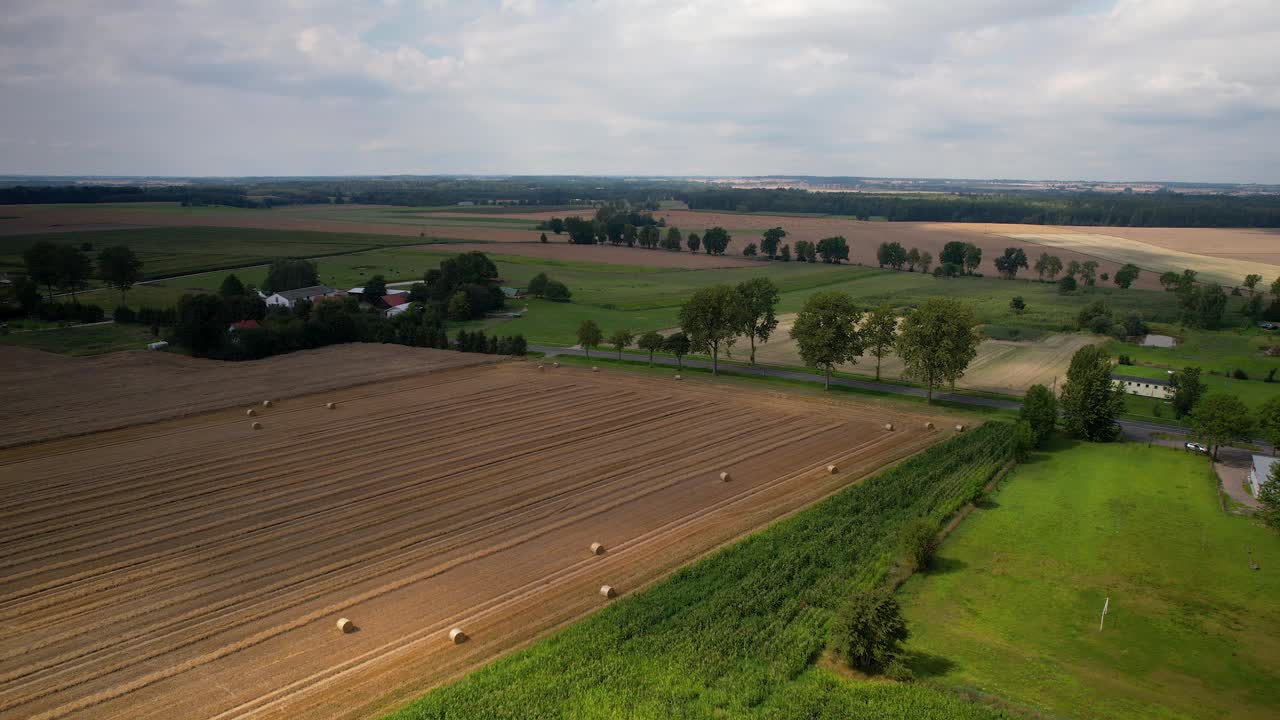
{"x": 48, "y": 396}
{"x": 613, "y": 254}
{"x": 1002, "y": 366}
{"x": 196, "y": 568}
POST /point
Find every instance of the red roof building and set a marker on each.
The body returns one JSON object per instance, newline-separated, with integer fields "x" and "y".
{"x": 244, "y": 325}
{"x": 394, "y": 300}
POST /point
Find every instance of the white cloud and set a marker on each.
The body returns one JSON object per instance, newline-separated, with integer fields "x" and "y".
{"x": 1159, "y": 89}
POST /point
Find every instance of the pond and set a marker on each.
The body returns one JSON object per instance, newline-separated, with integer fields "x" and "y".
{"x": 1165, "y": 341}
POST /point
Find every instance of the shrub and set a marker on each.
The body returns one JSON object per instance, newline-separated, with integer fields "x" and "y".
{"x": 1067, "y": 284}
{"x": 869, "y": 631}
{"x": 124, "y": 314}
{"x": 919, "y": 542}
{"x": 1240, "y": 374}
{"x": 557, "y": 291}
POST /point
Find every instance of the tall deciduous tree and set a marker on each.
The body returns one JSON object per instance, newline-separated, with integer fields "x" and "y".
{"x": 119, "y": 268}
{"x": 694, "y": 242}
{"x": 879, "y": 333}
{"x": 833, "y": 249}
{"x": 1220, "y": 418}
{"x": 1048, "y": 266}
{"x": 1269, "y": 421}
{"x": 1009, "y": 263}
{"x": 972, "y": 257}
{"x": 231, "y": 286}
{"x": 826, "y": 332}
{"x": 1040, "y": 411}
{"x": 651, "y": 341}
{"x": 759, "y": 299}
{"x": 375, "y": 287}
{"x": 1188, "y": 388}
{"x": 620, "y": 339}
{"x": 869, "y": 631}
{"x": 712, "y": 318}
{"x": 1089, "y": 272}
{"x": 937, "y": 342}
{"x": 772, "y": 237}
{"x": 1126, "y": 275}
{"x": 74, "y": 269}
{"x": 201, "y": 323}
{"x": 677, "y": 344}
{"x": 716, "y": 240}
{"x": 1091, "y": 399}
{"x": 589, "y": 336}
{"x": 1251, "y": 281}
{"x": 41, "y": 259}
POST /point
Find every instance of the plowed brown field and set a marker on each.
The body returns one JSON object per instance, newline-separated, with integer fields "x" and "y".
{"x": 48, "y": 396}
{"x": 195, "y": 568}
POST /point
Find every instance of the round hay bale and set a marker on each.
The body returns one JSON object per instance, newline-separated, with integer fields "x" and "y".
{"x": 677, "y": 376}
{"x": 540, "y": 366}
{"x": 331, "y": 406}
{"x": 959, "y": 428}
{"x": 595, "y": 369}
{"x": 251, "y": 412}
{"x": 256, "y": 426}
{"x": 346, "y": 625}
{"x": 608, "y": 592}
{"x": 888, "y": 426}
{"x": 928, "y": 426}
{"x": 725, "y": 477}
{"x": 555, "y": 364}
{"x": 266, "y": 403}
{"x": 457, "y": 637}
{"x": 597, "y": 548}
{"x": 832, "y": 469}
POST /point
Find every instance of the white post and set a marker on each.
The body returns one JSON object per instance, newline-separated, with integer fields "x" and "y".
{"x": 1105, "y": 606}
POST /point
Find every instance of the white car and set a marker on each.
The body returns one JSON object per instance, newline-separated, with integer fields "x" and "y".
{"x": 1196, "y": 447}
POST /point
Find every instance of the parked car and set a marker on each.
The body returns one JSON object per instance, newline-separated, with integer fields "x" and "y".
{"x": 1267, "y": 326}
{"x": 1197, "y": 447}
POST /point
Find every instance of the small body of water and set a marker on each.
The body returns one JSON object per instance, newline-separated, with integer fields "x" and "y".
{"x": 1158, "y": 341}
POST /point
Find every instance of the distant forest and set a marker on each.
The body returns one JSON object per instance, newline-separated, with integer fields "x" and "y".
{"x": 1161, "y": 209}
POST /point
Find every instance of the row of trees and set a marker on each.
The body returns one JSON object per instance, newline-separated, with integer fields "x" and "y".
{"x": 894, "y": 255}
{"x": 69, "y": 268}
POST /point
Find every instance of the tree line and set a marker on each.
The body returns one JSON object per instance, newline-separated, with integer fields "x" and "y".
{"x": 936, "y": 340}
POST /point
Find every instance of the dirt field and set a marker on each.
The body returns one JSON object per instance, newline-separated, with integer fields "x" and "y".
{"x": 48, "y": 396}
{"x": 618, "y": 255}
{"x": 1001, "y": 365}
{"x": 196, "y": 568}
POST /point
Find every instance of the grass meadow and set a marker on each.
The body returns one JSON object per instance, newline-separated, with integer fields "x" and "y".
{"x": 1012, "y": 605}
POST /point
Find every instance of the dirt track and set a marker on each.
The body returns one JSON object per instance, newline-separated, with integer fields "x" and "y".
{"x": 48, "y": 395}
{"x": 195, "y": 568}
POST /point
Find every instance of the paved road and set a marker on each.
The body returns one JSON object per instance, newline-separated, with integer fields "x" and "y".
{"x": 1133, "y": 429}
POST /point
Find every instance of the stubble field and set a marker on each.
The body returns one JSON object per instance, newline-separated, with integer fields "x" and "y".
{"x": 195, "y": 568}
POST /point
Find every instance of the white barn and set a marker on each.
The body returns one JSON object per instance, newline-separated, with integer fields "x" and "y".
{"x": 287, "y": 298}
{"x": 1146, "y": 387}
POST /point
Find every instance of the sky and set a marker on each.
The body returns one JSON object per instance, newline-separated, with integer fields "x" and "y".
{"x": 1176, "y": 90}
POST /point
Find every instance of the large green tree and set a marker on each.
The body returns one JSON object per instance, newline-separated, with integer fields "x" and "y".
{"x": 879, "y": 333}
{"x": 1009, "y": 263}
{"x": 1220, "y": 418}
{"x": 290, "y": 275}
{"x": 1040, "y": 411}
{"x": 1091, "y": 399}
{"x": 1048, "y": 266}
{"x": 651, "y": 341}
{"x": 716, "y": 240}
{"x": 119, "y": 268}
{"x": 1126, "y": 275}
{"x": 937, "y": 342}
{"x": 1269, "y": 421}
{"x": 620, "y": 339}
{"x": 201, "y": 323}
{"x": 1269, "y": 499}
{"x": 972, "y": 257}
{"x": 760, "y": 300}
{"x": 589, "y": 335}
{"x": 833, "y": 249}
{"x": 74, "y": 269}
{"x": 677, "y": 344}
{"x": 41, "y": 259}
{"x": 826, "y": 332}
{"x": 772, "y": 238}
{"x": 712, "y": 318}
{"x": 1188, "y": 388}
{"x": 869, "y": 630}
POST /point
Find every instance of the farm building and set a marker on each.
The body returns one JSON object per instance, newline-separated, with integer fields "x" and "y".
{"x": 243, "y": 325}
{"x": 288, "y": 298}
{"x": 1146, "y": 387}
{"x": 1260, "y": 472}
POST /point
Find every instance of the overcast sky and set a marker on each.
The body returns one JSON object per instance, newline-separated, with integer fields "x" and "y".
{"x": 1088, "y": 89}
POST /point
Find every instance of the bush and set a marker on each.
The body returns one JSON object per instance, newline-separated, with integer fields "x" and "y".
{"x": 919, "y": 542}
{"x": 1067, "y": 284}
{"x": 1240, "y": 374}
{"x": 124, "y": 314}
{"x": 869, "y": 631}
{"x": 557, "y": 291}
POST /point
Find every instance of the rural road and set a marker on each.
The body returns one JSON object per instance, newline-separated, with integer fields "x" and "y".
{"x": 1133, "y": 429}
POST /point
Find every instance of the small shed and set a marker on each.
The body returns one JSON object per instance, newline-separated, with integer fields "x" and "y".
{"x": 1146, "y": 387}
{"x": 1260, "y": 472}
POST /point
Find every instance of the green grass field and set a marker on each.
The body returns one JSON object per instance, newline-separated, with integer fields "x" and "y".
{"x": 83, "y": 340}
{"x": 172, "y": 251}
{"x": 737, "y": 634}
{"x": 1221, "y": 350}
{"x": 1012, "y": 606}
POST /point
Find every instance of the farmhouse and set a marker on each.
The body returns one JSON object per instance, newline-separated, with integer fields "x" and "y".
{"x": 288, "y": 298}
{"x": 1260, "y": 472}
{"x": 1146, "y": 387}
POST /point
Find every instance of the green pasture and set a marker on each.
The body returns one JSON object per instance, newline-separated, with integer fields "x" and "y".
{"x": 83, "y": 339}
{"x": 1221, "y": 350}
{"x": 1012, "y": 605}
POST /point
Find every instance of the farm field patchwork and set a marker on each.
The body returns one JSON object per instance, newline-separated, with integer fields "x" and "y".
{"x": 1013, "y": 605}
{"x": 197, "y": 566}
